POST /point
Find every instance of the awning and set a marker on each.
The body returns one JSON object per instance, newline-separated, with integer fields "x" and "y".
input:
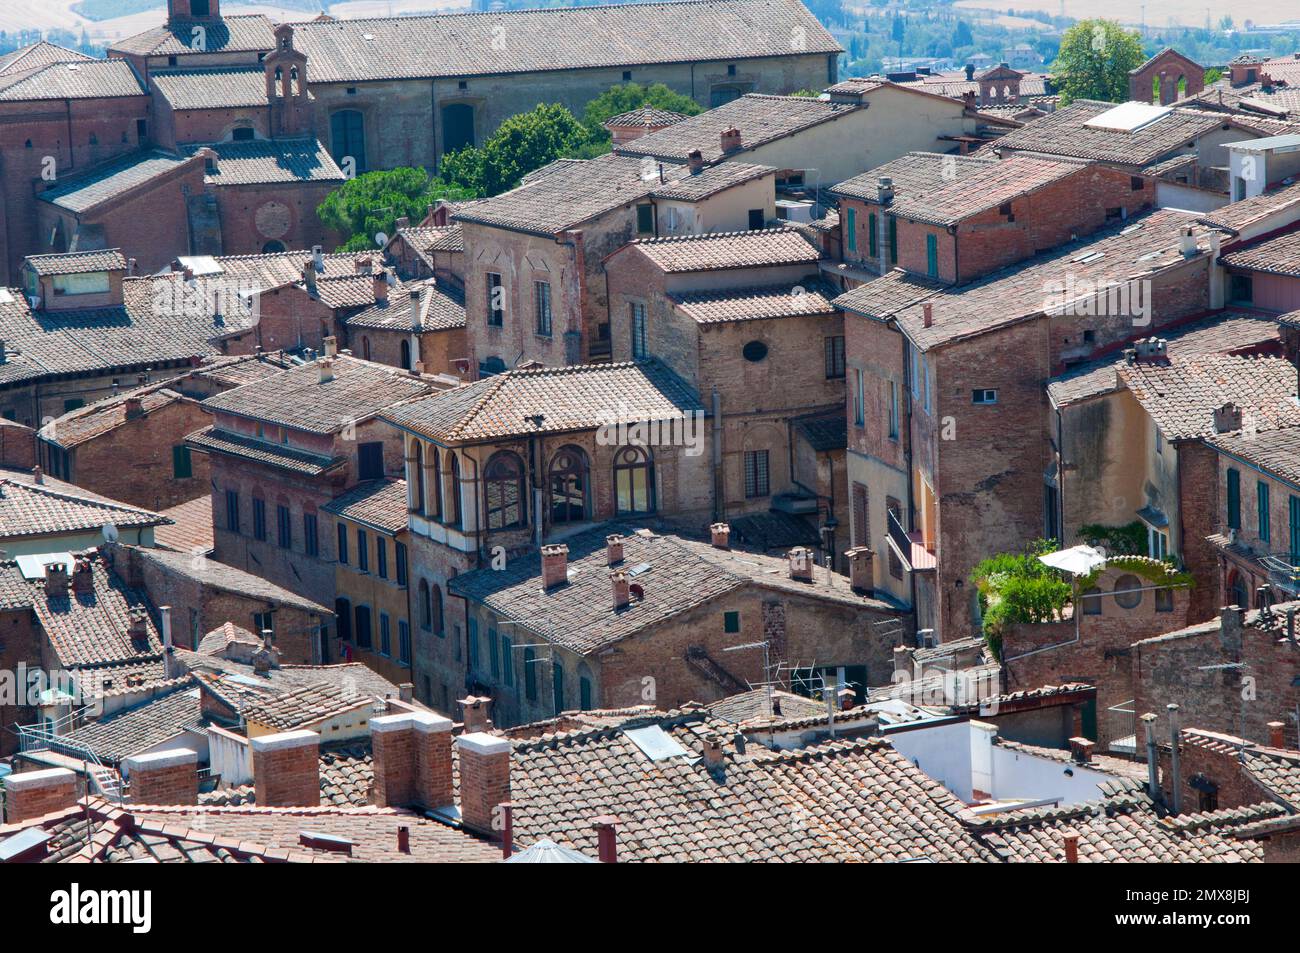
{"x": 1077, "y": 560}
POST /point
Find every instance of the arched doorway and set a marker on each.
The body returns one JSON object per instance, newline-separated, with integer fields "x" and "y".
{"x": 568, "y": 481}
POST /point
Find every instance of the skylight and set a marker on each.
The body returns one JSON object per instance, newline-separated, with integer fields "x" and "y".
{"x": 655, "y": 743}
{"x": 1128, "y": 117}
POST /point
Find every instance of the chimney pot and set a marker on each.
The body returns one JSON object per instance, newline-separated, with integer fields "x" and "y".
{"x": 861, "y": 577}
{"x": 927, "y": 313}
{"x": 83, "y": 578}
{"x": 1230, "y": 624}
{"x": 731, "y": 139}
{"x": 56, "y": 579}
{"x": 134, "y": 407}
{"x": 403, "y": 839}
{"x": 380, "y": 285}
{"x": 1276, "y": 738}
{"x": 606, "y": 838}
{"x": 1227, "y": 418}
{"x": 475, "y": 710}
{"x": 622, "y": 589}
{"x": 713, "y": 752}
{"x": 38, "y": 475}
{"x": 801, "y": 564}
{"x": 1082, "y": 750}
{"x": 613, "y": 549}
{"x": 555, "y": 565}
{"x": 721, "y": 535}
{"x": 1071, "y": 841}
{"x": 331, "y": 346}
{"x": 326, "y": 367}
{"x": 695, "y": 161}
{"x": 406, "y": 691}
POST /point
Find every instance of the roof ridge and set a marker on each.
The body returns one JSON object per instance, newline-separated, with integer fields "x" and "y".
{"x": 499, "y": 13}
{"x": 709, "y": 236}
{"x": 63, "y": 495}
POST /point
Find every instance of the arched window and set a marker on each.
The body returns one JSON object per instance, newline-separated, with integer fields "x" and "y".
{"x": 365, "y": 348}
{"x": 634, "y": 481}
{"x": 406, "y": 355}
{"x": 452, "y": 509}
{"x": 435, "y": 608}
{"x": 1128, "y": 591}
{"x": 417, "y": 478}
{"x": 426, "y": 607}
{"x": 273, "y": 247}
{"x": 504, "y": 491}
{"x": 568, "y": 485}
{"x": 435, "y": 487}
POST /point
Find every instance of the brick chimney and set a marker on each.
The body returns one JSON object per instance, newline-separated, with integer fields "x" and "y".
{"x": 56, "y": 579}
{"x": 1071, "y": 841}
{"x": 606, "y": 838}
{"x": 286, "y": 769}
{"x": 138, "y": 630}
{"x": 613, "y": 549}
{"x": 380, "y": 285}
{"x": 326, "y": 367}
{"x": 861, "y": 577}
{"x": 555, "y": 565}
{"x": 720, "y": 533}
{"x": 1081, "y": 749}
{"x": 83, "y": 576}
{"x": 713, "y": 753}
{"x": 731, "y": 140}
{"x": 36, "y": 793}
{"x": 475, "y": 710}
{"x": 1230, "y": 622}
{"x": 309, "y": 276}
{"x": 1276, "y": 738}
{"x": 164, "y": 777}
{"x": 695, "y": 161}
{"x": 1227, "y": 418}
{"x": 133, "y": 407}
{"x": 412, "y": 760}
{"x": 621, "y": 588}
{"x": 484, "y": 779}
{"x": 801, "y": 564}
{"x": 927, "y": 314}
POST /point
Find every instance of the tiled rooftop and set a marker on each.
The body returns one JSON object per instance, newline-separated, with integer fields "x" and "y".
{"x": 32, "y": 510}
{"x": 84, "y": 191}
{"x": 225, "y": 87}
{"x": 711, "y": 180}
{"x": 1277, "y": 255}
{"x": 759, "y": 117}
{"x": 271, "y": 162}
{"x": 379, "y": 504}
{"x": 304, "y": 707}
{"x": 80, "y": 79}
{"x": 140, "y": 727}
{"x": 440, "y": 307}
{"x": 645, "y": 117}
{"x": 297, "y": 398}
{"x": 915, "y": 175}
{"x": 718, "y": 251}
{"x": 77, "y": 262}
{"x": 1182, "y": 395}
{"x": 104, "y": 416}
{"x": 233, "y": 34}
{"x": 191, "y": 527}
{"x": 1236, "y": 216}
{"x": 555, "y": 39}
{"x": 225, "y": 578}
{"x": 988, "y": 188}
{"x": 747, "y": 304}
{"x": 38, "y": 54}
{"x": 1065, "y": 132}
{"x": 1275, "y": 451}
{"x": 215, "y": 440}
{"x": 579, "y": 397}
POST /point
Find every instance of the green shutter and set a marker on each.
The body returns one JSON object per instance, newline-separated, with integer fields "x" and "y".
{"x": 1261, "y": 503}
{"x": 182, "y": 467}
{"x": 872, "y": 242}
{"x": 645, "y": 220}
{"x": 1234, "y": 499}
{"x": 731, "y": 622}
{"x": 1295, "y": 529}
{"x": 893, "y": 240}
{"x": 851, "y": 229}
{"x": 495, "y": 652}
{"x": 557, "y": 683}
{"x": 932, "y": 256}
{"x": 471, "y": 632}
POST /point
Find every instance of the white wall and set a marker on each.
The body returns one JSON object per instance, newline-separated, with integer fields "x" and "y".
{"x": 942, "y": 751}
{"x": 230, "y": 756}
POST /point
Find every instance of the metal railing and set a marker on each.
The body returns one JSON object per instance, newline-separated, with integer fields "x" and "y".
{"x": 101, "y": 778}
{"x": 899, "y": 537}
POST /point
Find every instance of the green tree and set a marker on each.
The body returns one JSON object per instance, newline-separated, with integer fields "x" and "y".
{"x": 624, "y": 98}
{"x": 962, "y": 35}
{"x": 522, "y": 144}
{"x": 1094, "y": 61}
{"x": 374, "y": 201}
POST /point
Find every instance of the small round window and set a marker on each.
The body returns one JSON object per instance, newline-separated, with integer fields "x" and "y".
{"x": 754, "y": 351}
{"x": 1128, "y": 591}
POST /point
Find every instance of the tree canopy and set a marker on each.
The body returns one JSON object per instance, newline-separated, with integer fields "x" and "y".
{"x": 620, "y": 99}
{"x": 374, "y": 201}
{"x": 522, "y": 144}
{"x": 1094, "y": 61}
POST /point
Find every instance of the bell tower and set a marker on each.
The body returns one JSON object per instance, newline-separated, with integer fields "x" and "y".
{"x": 190, "y": 10}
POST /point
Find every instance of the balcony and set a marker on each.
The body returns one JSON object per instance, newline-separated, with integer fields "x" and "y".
{"x": 909, "y": 547}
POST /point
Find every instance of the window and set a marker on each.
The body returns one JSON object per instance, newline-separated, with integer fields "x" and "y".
{"x": 283, "y": 527}
{"x": 568, "y": 485}
{"x": 1293, "y": 524}
{"x": 542, "y": 298}
{"x": 494, "y": 653}
{"x": 638, "y": 332}
{"x": 242, "y": 133}
{"x": 1261, "y": 510}
{"x": 457, "y": 124}
{"x": 264, "y": 623}
{"x": 755, "y": 219}
{"x": 348, "y": 137}
{"x": 434, "y": 502}
{"x": 756, "y": 481}
{"x": 754, "y": 351}
{"x": 370, "y": 460}
{"x": 1164, "y": 600}
{"x": 627, "y": 75}
{"x": 1158, "y": 440}
{"x": 343, "y": 544}
{"x": 835, "y": 357}
{"x": 363, "y": 551}
{"x": 259, "y": 518}
{"x": 504, "y": 492}
{"x": 634, "y": 481}
{"x": 859, "y": 399}
{"x": 362, "y": 616}
{"x": 232, "y": 511}
{"x": 381, "y": 557}
{"x": 987, "y": 395}
{"x": 932, "y": 256}
{"x": 731, "y": 622}
{"x": 1241, "y": 289}
{"x": 893, "y": 240}
{"x": 1157, "y": 543}
{"x": 507, "y": 660}
{"x": 584, "y": 693}
{"x": 399, "y": 552}
{"x": 403, "y": 642}
{"x": 1092, "y": 601}
{"x": 1128, "y": 591}
{"x": 851, "y": 229}
{"x": 426, "y": 607}
{"x": 453, "y": 475}
{"x": 406, "y": 355}
{"x": 471, "y": 637}
{"x": 385, "y": 635}
{"x": 415, "y": 477}
{"x": 530, "y": 674}
{"x": 557, "y": 684}
{"x": 873, "y": 245}
{"x": 645, "y": 219}
{"x": 343, "y": 612}
{"x": 310, "y": 541}
{"x": 435, "y": 611}
{"x": 1234, "y": 498}
{"x": 893, "y": 410}
{"x": 182, "y": 466}
{"x": 496, "y": 301}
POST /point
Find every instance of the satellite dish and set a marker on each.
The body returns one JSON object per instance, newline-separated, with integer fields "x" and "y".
{"x": 110, "y": 533}
{"x": 381, "y": 239}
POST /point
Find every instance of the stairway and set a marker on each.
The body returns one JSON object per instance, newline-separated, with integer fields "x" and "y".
{"x": 704, "y": 665}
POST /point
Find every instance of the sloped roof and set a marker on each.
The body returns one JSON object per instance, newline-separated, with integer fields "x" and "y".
{"x": 140, "y": 727}
{"x": 303, "y": 706}
{"x": 77, "y": 262}
{"x": 38, "y": 54}
{"x": 1275, "y": 451}
{"x": 83, "y": 192}
{"x": 1066, "y": 132}
{"x": 104, "y": 416}
{"x": 298, "y": 399}
{"x": 441, "y": 307}
{"x": 718, "y": 251}
{"x": 232, "y": 34}
{"x": 224, "y": 87}
{"x": 1236, "y": 216}
{"x": 28, "y": 509}
{"x": 644, "y": 116}
{"x": 212, "y": 574}
{"x": 792, "y": 299}
{"x": 1276, "y": 255}
{"x": 590, "y": 37}
{"x": 82, "y": 79}
{"x": 997, "y": 183}
{"x": 915, "y": 174}
{"x": 379, "y": 504}
{"x": 711, "y": 180}
{"x": 271, "y": 161}
{"x": 578, "y": 397}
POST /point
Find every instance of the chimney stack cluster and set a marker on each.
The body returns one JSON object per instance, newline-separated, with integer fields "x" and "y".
{"x": 56, "y": 579}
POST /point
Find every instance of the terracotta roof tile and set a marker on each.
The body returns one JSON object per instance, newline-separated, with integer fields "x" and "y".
{"x": 271, "y": 161}
{"x": 31, "y": 510}
{"x": 439, "y": 307}
{"x": 233, "y": 34}
{"x": 84, "y": 191}
{"x": 80, "y": 79}
{"x": 224, "y": 87}
{"x": 1065, "y": 132}
{"x": 77, "y": 262}
{"x": 379, "y": 504}
{"x": 718, "y": 251}
{"x": 191, "y": 527}
{"x": 915, "y": 175}
{"x": 746, "y": 304}
{"x": 711, "y": 180}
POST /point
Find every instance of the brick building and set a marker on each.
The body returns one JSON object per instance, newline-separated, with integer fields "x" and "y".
{"x": 414, "y": 325}
{"x": 1166, "y": 77}
{"x": 281, "y": 449}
